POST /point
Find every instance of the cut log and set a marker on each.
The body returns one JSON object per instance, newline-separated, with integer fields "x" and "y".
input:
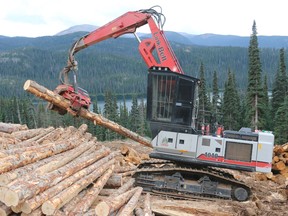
{"x": 278, "y": 149}
{"x": 132, "y": 203}
{"x": 122, "y": 169}
{"x": 68, "y": 157}
{"x": 282, "y": 172}
{"x": 92, "y": 193}
{"x": 285, "y": 147}
{"x": 139, "y": 212}
{"x": 4, "y": 210}
{"x": 70, "y": 205}
{"x": 17, "y": 209}
{"x": 276, "y": 159}
{"x": 110, "y": 206}
{"x": 91, "y": 212}
{"x": 279, "y": 166}
{"x": 36, "y": 212}
{"x": 106, "y": 192}
{"x": 131, "y": 155}
{"x": 27, "y": 134}
{"x": 147, "y": 206}
{"x": 59, "y": 101}
{"x": 53, "y": 136}
{"x": 129, "y": 173}
{"x": 51, "y": 205}
{"x": 35, "y": 147}
{"x": 35, "y": 202}
{"x": 7, "y": 140}
{"x": 27, "y": 157}
{"x": 23, "y": 189}
{"x": 8, "y": 177}
{"x": 9, "y": 128}
{"x": 125, "y": 187}
{"x": 115, "y": 181}
{"x": 33, "y": 140}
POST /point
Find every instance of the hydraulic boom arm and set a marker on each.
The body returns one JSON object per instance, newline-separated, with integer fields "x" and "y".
{"x": 128, "y": 23}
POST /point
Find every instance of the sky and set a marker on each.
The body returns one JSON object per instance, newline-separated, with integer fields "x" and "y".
{"x": 34, "y": 18}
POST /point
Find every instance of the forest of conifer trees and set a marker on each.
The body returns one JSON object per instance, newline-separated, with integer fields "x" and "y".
{"x": 224, "y": 99}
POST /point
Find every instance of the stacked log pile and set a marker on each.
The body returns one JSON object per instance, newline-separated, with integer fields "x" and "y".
{"x": 62, "y": 171}
{"x": 280, "y": 163}
{"x": 279, "y": 172}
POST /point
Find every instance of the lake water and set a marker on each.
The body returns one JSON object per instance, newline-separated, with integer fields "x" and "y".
{"x": 120, "y": 102}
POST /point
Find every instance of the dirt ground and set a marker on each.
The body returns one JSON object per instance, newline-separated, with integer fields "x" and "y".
{"x": 267, "y": 199}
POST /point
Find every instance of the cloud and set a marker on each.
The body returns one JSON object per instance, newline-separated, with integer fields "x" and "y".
{"x": 47, "y": 17}
{"x": 29, "y": 19}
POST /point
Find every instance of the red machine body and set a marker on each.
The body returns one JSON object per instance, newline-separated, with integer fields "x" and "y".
{"x": 127, "y": 23}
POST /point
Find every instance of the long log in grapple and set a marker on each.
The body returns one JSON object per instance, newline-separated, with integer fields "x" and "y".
{"x": 172, "y": 107}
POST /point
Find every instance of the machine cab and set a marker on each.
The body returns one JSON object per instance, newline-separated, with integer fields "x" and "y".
{"x": 171, "y": 101}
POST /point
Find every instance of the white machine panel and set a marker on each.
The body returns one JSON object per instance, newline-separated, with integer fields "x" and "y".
{"x": 187, "y": 142}
{"x": 165, "y": 139}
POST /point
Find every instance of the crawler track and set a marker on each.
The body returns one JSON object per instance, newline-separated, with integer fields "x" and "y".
{"x": 190, "y": 183}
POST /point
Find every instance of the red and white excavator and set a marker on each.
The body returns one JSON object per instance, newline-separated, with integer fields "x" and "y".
{"x": 172, "y": 105}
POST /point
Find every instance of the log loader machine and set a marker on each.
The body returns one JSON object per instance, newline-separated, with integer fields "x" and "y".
{"x": 172, "y": 106}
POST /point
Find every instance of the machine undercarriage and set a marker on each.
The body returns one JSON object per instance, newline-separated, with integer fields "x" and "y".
{"x": 185, "y": 182}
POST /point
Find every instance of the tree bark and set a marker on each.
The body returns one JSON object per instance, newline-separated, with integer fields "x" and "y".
{"x": 33, "y": 140}
{"x": 7, "y": 140}
{"x": 23, "y": 189}
{"x": 8, "y": 177}
{"x": 115, "y": 181}
{"x": 128, "y": 185}
{"x": 35, "y": 202}
{"x": 279, "y": 166}
{"x": 139, "y": 212}
{"x": 59, "y": 101}
{"x": 68, "y": 157}
{"x": 9, "y": 128}
{"x": 147, "y": 205}
{"x": 27, "y": 134}
{"x": 17, "y": 160}
{"x": 110, "y": 206}
{"x": 36, "y": 212}
{"x": 106, "y": 192}
{"x": 70, "y": 205}
{"x": 123, "y": 169}
{"x": 92, "y": 194}
{"x": 51, "y": 205}
{"x": 132, "y": 203}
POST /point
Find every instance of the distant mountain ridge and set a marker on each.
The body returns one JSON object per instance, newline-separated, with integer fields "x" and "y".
{"x": 200, "y": 40}
{"x": 118, "y": 63}
{"x": 77, "y": 28}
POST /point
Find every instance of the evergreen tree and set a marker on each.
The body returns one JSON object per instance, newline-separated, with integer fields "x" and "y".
{"x": 267, "y": 120}
{"x": 110, "y": 112}
{"x": 216, "y": 100}
{"x": 142, "y": 118}
{"x": 98, "y": 131}
{"x": 203, "y": 99}
{"x": 231, "y": 104}
{"x": 124, "y": 115}
{"x": 279, "y": 86}
{"x": 134, "y": 115}
{"x": 41, "y": 121}
{"x": 254, "y": 89}
{"x": 281, "y": 128}
{"x": 30, "y": 111}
